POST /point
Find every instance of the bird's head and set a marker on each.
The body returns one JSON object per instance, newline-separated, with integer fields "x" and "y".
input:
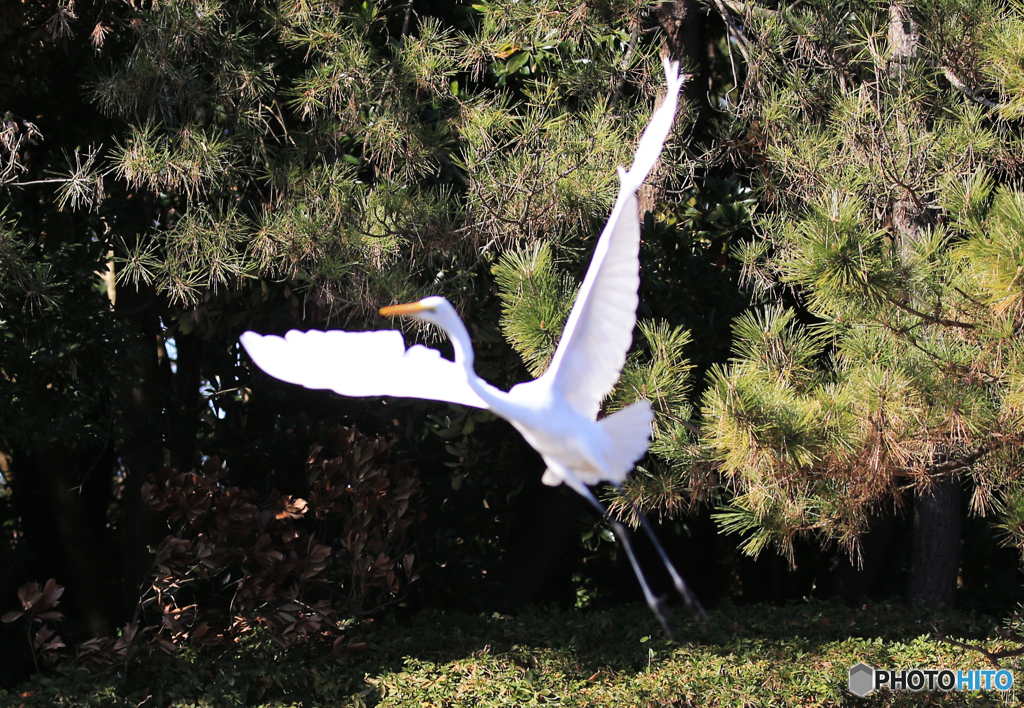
{"x": 435, "y": 310}
{"x": 439, "y": 312}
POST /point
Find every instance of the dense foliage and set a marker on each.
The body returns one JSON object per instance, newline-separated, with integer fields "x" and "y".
{"x": 895, "y": 221}
{"x": 176, "y": 173}
{"x": 797, "y": 655}
{"x": 829, "y": 328}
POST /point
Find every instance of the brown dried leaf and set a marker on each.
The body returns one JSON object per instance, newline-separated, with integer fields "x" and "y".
{"x": 43, "y": 635}
{"x": 99, "y": 33}
{"x": 51, "y": 594}
{"x": 52, "y": 645}
{"x": 29, "y": 594}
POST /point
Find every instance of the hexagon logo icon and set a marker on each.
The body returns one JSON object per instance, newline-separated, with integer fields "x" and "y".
{"x": 862, "y": 679}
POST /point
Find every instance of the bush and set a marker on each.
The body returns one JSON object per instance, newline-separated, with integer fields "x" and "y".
{"x": 295, "y": 568}
{"x": 290, "y": 564}
{"x": 752, "y": 656}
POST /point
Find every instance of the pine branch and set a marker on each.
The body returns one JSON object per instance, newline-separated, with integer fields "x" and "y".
{"x": 742, "y": 43}
{"x": 966, "y": 461}
{"x": 742, "y": 8}
{"x": 992, "y": 656}
{"x": 931, "y": 319}
{"x": 967, "y": 90}
{"x": 949, "y": 365}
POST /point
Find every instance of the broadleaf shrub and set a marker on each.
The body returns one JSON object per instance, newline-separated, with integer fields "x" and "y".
{"x": 288, "y": 564}
{"x": 38, "y": 613}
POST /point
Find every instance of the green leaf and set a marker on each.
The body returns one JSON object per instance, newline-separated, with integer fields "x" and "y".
{"x": 517, "y": 62}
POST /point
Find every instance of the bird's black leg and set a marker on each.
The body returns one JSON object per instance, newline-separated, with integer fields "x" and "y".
{"x": 677, "y": 579}
{"x": 660, "y": 611}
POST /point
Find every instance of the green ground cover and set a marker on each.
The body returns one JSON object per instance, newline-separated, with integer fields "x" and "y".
{"x": 752, "y": 656}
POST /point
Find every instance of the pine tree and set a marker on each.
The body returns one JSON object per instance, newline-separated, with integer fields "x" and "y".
{"x": 174, "y": 173}
{"x": 884, "y": 364}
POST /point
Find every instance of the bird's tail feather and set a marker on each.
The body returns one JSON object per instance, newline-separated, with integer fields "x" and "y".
{"x": 630, "y": 432}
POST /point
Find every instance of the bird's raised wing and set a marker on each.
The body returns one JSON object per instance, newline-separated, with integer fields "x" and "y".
{"x": 361, "y": 364}
{"x": 599, "y": 331}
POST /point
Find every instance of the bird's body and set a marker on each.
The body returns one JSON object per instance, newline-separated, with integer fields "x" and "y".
{"x": 566, "y": 438}
{"x": 593, "y": 450}
{"x": 557, "y": 412}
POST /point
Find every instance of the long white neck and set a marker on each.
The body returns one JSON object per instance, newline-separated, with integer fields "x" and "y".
{"x": 496, "y": 399}
{"x": 463, "y": 345}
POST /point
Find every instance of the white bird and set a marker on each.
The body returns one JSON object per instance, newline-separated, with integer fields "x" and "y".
{"x": 557, "y": 412}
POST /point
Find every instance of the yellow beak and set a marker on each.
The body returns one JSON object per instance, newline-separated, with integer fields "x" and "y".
{"x": 407, "y": 309}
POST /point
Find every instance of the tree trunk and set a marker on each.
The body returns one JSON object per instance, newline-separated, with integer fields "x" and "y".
{"x": 853, "y": 581}
{"x": 935, "y": 550}
{"x": 81, "y": 544}
{"x": 184, "y": 414}
{"x": 143, "y": 449}
{"x": 535, "y": 559}
{"x": 908, "y": 214}
{"x": 903, "y": 34}
{"x": 61, "y": 494}
{"x": 683, "y": 24}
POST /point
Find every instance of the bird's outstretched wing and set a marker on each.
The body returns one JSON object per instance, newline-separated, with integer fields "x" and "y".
{"x": 361, "y": 364}
{"x": 599, "y": 331}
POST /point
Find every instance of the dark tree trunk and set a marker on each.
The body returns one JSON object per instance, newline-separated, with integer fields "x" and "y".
{"x": 61, "y": 494}
{"x": 79, "y": 539}
{"x": 683, "y": 23}
{"x": 853, "y": 581}
{"x": 935, "y": 550}
{"x": 184, "y": 417}
{"x": 142, "y": 453}
{"x": 535, "y": 562}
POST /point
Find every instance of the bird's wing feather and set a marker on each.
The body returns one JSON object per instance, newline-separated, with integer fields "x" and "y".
{"x": 361, "y": 364}
{"x": 599, "y": 331}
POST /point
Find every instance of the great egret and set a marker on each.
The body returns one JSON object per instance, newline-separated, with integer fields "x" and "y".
{"x": 557, "y": 412}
